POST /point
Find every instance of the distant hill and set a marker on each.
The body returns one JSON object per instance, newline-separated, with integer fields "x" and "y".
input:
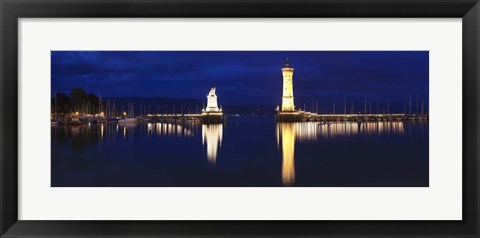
{"x": 177, "y": 105}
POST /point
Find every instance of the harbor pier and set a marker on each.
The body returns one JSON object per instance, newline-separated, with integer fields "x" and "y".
{"x": 300, "y": 116}
{"x": 288, "y": 112}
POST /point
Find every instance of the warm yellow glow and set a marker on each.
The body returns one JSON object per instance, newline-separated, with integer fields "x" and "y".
{"x": 75, "y": 131}
{"x": 287, "y": 133}
{"x": 212, "y": 105}
{"x": 76, "y": 113}
{"x": 169, "y": 129}
{"x": 287, "y": 99}
{"x": 124, "y": 113}
{"x": 310, "y": 131}
{"x": 212, "y": 135}
{"x": 178, "y": 131}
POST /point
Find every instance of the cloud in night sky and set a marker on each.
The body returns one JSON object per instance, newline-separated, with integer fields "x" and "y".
{"x": 245, "y": 77}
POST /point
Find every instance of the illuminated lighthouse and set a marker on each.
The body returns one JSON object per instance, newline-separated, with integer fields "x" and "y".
{"x": 287, "y": 99}
{"x": 287, "y": 112}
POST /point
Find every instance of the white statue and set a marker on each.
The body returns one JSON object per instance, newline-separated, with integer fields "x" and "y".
{"x": 212, "y": 105}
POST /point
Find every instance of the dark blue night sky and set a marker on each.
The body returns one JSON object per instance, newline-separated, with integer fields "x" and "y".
{"x": 248, "y": 77}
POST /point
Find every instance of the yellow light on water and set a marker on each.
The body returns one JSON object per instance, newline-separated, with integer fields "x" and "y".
{"x": 212, "y": 135}
{"x": 287, "y": 133}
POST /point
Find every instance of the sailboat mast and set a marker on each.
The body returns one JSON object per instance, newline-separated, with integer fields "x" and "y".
{"x": 56, "y": 105}
{"x": 312, "y": 105}
{"x": 422, "y": 106}
{"x": 417, "y": 105}
{"x": 114, "y": 109}
{"x": 410, "y": 108}
{"x": 388, "y": 107}
{"x": 99, "y": 103}
{"x": 365, "y": 110}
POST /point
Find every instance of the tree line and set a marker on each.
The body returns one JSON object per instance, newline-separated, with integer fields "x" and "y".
{"x": 78, "y": 101}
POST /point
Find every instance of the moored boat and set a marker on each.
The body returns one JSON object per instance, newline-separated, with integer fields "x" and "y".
{"x": 128, "y": 120}
{"x": 54, "y": 122}
{"x": 75, "y": 122}
{"x": 112, "y": 120}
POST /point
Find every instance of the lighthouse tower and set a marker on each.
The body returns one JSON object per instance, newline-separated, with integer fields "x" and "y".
{"x": 287, "y": 99}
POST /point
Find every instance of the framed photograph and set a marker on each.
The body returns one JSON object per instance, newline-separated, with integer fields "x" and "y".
{"x": 258, "y": 118}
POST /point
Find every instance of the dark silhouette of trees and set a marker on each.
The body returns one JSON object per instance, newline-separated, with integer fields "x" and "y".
{"x": 61, "y": 103}
{"x": 79, "y": 101}
{"x": 93, "y": 104}
{"x": 78, "y": 98}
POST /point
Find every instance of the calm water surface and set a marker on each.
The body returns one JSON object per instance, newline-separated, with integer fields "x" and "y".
{"x": 244, "y": 151}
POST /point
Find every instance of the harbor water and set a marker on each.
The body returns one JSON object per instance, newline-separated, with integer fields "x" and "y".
{"x": 241, "y": 152}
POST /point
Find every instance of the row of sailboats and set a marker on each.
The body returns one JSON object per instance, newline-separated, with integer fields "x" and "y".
{"x": 130, "y": 117}
{"x": 108, "y": 114}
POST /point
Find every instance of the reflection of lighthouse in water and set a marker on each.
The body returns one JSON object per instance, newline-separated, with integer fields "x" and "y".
{"x": 286, "y": 132}
{"x": 212, "y": 135}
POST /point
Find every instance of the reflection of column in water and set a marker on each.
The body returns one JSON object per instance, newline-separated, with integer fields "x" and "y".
{"x": 212, "y": 135}
{"x": 383, "y": 127}
{"x": 351, "y": 129}
{"x": 167, "y": 129}
{"x": 75, "y": 130}
{"x": 149, "y": 128}
{"x": 306, "y": 131}
{"x": 287, "y": 132}
{"x": 278, "y": 136}
{"x": 399, "y": 129}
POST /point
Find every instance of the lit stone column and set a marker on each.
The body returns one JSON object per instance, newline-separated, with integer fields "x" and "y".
{"x": 287, "y": 99}
{"x": 212, "y": 105}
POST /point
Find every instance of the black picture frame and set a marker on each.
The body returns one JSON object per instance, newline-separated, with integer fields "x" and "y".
{"x": 12, "y": 10}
